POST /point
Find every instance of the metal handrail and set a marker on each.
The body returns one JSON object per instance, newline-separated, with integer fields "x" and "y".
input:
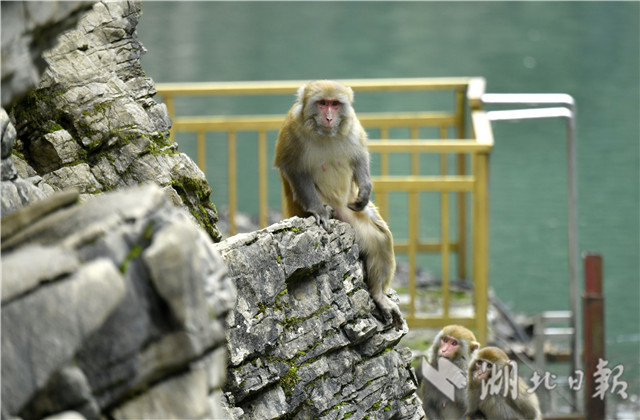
{"x": 566, "y": 110}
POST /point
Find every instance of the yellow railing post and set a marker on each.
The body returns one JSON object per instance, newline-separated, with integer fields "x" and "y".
{"x": 231, "y": 144}
{"x": 484, "y": 135}
{"x": 382, "y": 199}
{"x": 202, "y": 152}
{"x": 413, "y": 241}
{"x": 444, "y": 238}
{"x": 262, "y": 178}
{"x": 481, "y": 247}
{"x": 462, "y": 198}
{"x": 168, "y": 101}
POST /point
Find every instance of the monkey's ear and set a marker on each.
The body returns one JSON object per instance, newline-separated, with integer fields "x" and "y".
{"x": 300, "y": 93}
{"x": 474, "y": 345}
{"x": 350, "y": 94}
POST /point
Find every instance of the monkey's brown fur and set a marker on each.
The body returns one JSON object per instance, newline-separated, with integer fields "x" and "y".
{"x": 324, "y": 166}
{"x": 436, "y": 404}
{"x": 498, "y": 406}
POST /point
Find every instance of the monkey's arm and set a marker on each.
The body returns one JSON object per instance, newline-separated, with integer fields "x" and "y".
{"x": 473, "y": 398}
{"x": 363, "y": 179}
{"x": 305, "y": 194}
{"x": 476, "y": 415}
{"x": 525, "y": 406}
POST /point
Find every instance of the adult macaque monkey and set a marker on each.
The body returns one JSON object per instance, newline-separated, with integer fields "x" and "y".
{"x": 323, "y": 159}
{"x": 513, "y": 401}
{"x": 456, "y": 344}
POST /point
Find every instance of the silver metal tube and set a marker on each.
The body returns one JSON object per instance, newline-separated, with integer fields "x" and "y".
{"x": 529, "y": 114}
{"x": 528, "y": 99}
{"x": 566, "y": 110}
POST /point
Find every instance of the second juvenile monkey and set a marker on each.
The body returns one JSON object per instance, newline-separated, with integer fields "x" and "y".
{"x": 518, "y": 403}
{"x": 323, "y": 160}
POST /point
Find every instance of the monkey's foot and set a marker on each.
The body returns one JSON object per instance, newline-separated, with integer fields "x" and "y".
{"x": 390, "y": 314}
{"x": 322, "y": 217}
{"x": 397, "y": 321}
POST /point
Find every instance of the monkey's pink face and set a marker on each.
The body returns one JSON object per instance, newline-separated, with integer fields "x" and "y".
{"x": 482, "y": 370}
{"x": 328, "y": 112}
{"x": 448, "y": 347}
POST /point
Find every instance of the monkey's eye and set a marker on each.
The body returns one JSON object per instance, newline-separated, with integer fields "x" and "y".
{"x": 445, "y": 339}
{"x": 454, "y": 343}
{"x": 487, "y": 366}
{"x": 335, "y": 103}
{"x": 322, "y": 102}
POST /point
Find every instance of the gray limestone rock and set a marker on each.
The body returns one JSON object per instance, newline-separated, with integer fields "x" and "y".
{"x": 29, "y": 28}
{"x": 77, "y": 176}
{"x": 31, "y": 265}
{"x": 67, "y": 388}
{"x": 108, "y": 299}
{"x": 66, "y": 415}
{"x": 181, "y": 397}
{"x": 121, "y": 306}
{"x": 15, "y": 191}
{"x": 18, "y": 193}
{"x": 22, "y": 218}
{"x": 304, "y": 339}
{"x": 54, "y": 150}
{"x": 92, "y": 122}
{"x": 9, "y": 171}
{"x": 38, "y": 337}
{"x": 7, "y": 132}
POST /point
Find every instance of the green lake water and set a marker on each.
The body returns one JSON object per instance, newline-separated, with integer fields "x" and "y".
{"x": 590, "y": 50}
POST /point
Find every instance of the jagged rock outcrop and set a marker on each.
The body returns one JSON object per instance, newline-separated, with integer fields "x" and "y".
{"x": 19, "y": 187}
{"x": 117, "y": 307}
{"x": 93, "y": 124}
{"x": 303, "y": 338}
{"x": 112, "y": 307}
{"x": 28, "y": 28}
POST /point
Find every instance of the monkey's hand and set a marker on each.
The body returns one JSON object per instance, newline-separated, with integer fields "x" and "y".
{"x": 362, "y": 200}
{"x": 322, "y": 216}
{"x": 359, "y": 204}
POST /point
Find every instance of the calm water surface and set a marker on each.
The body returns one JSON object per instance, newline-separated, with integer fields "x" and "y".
{"x": 589, "y": 50}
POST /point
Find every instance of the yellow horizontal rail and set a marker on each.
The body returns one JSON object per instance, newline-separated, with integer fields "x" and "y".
{"x": 223, "y": 123}
{"x": 274, "y": 122}
{"x": 423, "y": 183}
{"x": 436, "y": 322}
{"x": 402, "y": 247}
{"x": 427, "y": 146}
{"x": 290, "y": 86}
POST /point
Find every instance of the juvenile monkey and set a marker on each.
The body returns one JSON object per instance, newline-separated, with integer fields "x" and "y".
{"x": 518, "y": 403}
{"x": 455, "y": 343}
{"x": 322, "y": 156}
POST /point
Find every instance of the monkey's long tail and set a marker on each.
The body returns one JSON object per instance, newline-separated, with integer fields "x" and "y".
{"x": 376, "y": 244}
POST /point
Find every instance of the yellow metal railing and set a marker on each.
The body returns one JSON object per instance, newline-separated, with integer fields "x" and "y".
{"x": 467, "y": 93}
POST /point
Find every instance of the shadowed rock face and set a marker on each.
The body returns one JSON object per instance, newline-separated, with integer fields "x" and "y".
{"x": 127, "y": 306}
{"x": 28, "y": 29}
{"x": 303, "y": 337}
{"x": 111, "y": 302}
